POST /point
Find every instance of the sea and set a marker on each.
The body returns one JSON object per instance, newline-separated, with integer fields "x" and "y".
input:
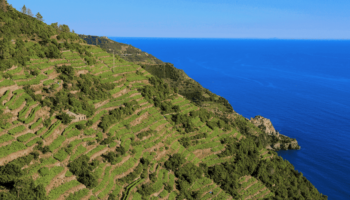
{"x": 303, "y": 86}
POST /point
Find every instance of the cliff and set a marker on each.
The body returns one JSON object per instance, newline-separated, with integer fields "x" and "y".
{"x": 278, "y": 141}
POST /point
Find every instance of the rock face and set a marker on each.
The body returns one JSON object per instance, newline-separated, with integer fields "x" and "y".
{"x": 289, "y": 145}
{"x": 264, "y": 124}
{"x": 279, "y": 141}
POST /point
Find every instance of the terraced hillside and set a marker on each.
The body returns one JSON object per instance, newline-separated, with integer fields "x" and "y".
{"x": 125, "y": 51}
{"x": 78, "y": 123}
{"x": 196, "y": 93}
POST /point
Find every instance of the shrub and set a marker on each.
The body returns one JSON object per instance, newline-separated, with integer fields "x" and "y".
{"x": 60, "y": 155}
{"x": 95, "y": 150}
{"x": 51, "y": 129}
{"x": 73, "y": 133}
{"x": 6, "y": 82}
{"x": 79, "y": 151}
{"x": 78, "y": 195}
{"x": 11, "y": 148}
{"x": 25, "y": 138}
{"x": 57, "y": 192}
{"x": 31, "y": 116}
{"x": 40, "y": 131}
{"x": 32, "y": 142}
{"x": 17, "y": 129}
{"x": 5, "y": 138}
{"x": 89, "y": 131}
{"x": 36, "y": 124}
{"x": 65, "y": 118}
{"x": 57, "y": 143}
{"x": 48, "y": 82}
{"x": 83, "y": 170}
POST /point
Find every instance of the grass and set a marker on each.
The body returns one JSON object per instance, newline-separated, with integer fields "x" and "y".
{"x": 15, "y": 71}
{"x": 73, "y": 133}
{"x": 6, "y": 138}
{"x": 24, "y": 111}
{"x": 78, "y": 195}
{"x": 99, "y": 115}
{"x": 95, "y": 150}
{"x": 51, "y": 129}
{"x": 31, "y": 116}
{"x": 60, "y": 155}
{"x": 25, "y": 138}
{"x": 47, "y": 72}
{"x": 48, "y": 82}
{"x": 6, "y": 82}
{"x": 11, "y": 148}
{"x": 32, "y": 142}
{"x": 57, "y": 143}
{"x": 34, "y": 81}
{"x": 17, "y": 129}
{"x": 104, "y": 181}
{"x": 36, "y": 124}
{"x": 40, "y": 131}
{"x": 4, "y": 96}
{"x": 77, "y": 152}
{"x": 58, "y": 191}
{"x": 46, "y": 179}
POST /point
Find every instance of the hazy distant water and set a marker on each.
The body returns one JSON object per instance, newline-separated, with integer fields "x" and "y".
{"x": 302, "y": 86}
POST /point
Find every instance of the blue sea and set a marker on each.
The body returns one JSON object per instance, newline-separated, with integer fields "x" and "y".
{"x": 303, "y": 86}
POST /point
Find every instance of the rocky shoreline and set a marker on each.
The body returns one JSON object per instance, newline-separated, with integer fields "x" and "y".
{"x": 278, "y": 141}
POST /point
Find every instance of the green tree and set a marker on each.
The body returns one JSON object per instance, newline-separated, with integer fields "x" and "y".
{"x": 3, "y": 5}
{"x": 6, "y": 48}
{"x": 64, "y": 28}
{"x": 29, "y": 12}
{"x": 39, "y": 17}
{"x": 24, "y": 9}
{"x": 65, "y": 118}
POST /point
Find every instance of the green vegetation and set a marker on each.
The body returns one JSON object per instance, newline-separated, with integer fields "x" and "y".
{"x": 11, "y": 148}
{"x": 25, "y": 138}
{"x": 51, "y": 129}
{"x": 57, "y": 192}
{"x": 31, "y": 116}
{"x": 57, "y": 143}
{"x": 13, "y": 177}
{"x": 36, "y": 124}
{"x": 48, "y": 174}
{"x": 17, "y": 129}
{"x": 118, "y": 114}
{"x": 81, "y": 168}
{"x": 127, "y": 52}
{"x": 78, "y": 195}
{"x": 123, "y": 128}
{"x": 61, "y": 155}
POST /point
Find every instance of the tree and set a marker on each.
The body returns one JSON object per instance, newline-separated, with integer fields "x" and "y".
{"x": 39, "y": 17}
{"x": 24, "y": 9}
{"x": 64, "y": 28}
{"x": 29, "y": 12}
{"x": 65, "y": 118}
{"x": 3, "y": 5}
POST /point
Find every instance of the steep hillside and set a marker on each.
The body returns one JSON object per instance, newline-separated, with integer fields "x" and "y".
{"x": 124, "y": 51}
{"x": 78, "y": 123}
{"x": 201, "y": 97}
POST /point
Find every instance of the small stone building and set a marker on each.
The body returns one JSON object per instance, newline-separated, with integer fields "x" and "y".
{"x": 77, "y": 117}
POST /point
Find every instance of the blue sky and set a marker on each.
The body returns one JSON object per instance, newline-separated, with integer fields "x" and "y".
{"x": 285, "y": 19}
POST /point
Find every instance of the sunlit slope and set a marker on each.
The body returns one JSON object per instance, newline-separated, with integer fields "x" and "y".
{"x": 79, "y": 123}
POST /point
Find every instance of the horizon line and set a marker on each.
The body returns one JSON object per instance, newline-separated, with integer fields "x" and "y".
{"x": 273, "y": 38}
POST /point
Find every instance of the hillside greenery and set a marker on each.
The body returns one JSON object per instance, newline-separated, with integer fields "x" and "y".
{"x": 78, "y": 123}
{"x": 125, "y": 51}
